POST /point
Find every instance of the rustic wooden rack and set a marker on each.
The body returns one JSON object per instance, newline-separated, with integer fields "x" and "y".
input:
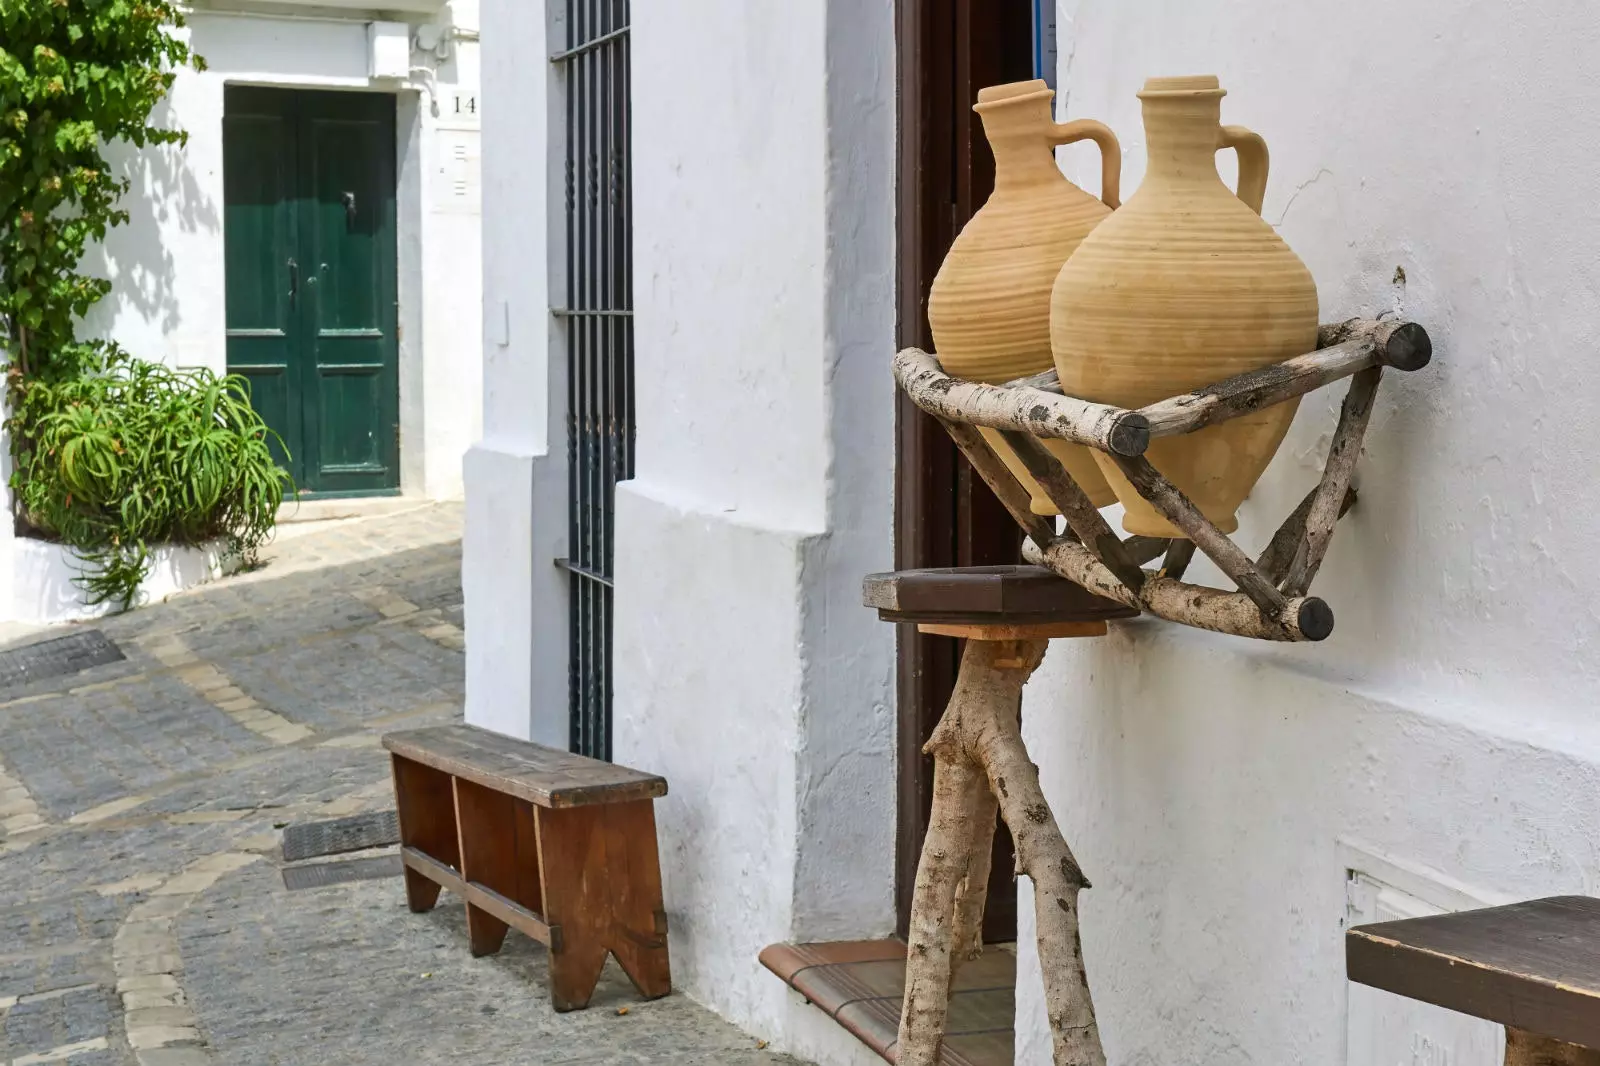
{"x": 1271, "y": 601}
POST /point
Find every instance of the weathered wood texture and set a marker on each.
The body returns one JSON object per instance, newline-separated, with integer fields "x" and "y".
{"x": 1531, "y": 966}
{"x": 543, "y": 776}
{"x": 557, "y": 846}
{"x": 1110, "y": 429}
{"x": 1530, "y": 1049}
{"x": 1081, "y": 514}
{"x": 1013, "y": 595}
{"x": 981, "y": 762}
{"x": 1271, "y": 603}
{"x": 1344, "y": 349}
{"x": 1327, "y": 504}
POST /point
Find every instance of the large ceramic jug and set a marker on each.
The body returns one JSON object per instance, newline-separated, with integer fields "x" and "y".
{"x": 1183, "y": 286}
{"x": 989, "y": 307}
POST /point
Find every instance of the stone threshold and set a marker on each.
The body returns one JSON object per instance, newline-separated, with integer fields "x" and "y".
{"x": 860, "y": 985}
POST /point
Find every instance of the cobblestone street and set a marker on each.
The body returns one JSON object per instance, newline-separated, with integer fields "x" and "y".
{"x": 144, "y": 916}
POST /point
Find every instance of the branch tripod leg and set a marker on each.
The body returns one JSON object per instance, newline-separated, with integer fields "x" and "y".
{"x": 980, "y": 761}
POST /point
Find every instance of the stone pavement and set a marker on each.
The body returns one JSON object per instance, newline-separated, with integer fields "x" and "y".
{"x": 143, "y": 913}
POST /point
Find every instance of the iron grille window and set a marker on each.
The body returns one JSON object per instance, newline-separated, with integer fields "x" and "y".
{"x": 599, "y": 334}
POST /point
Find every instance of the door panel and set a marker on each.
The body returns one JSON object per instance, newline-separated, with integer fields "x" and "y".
{"x": 348, "y": 235}
{"x": 312, "y": 310}
{"x": 258, "y": 146}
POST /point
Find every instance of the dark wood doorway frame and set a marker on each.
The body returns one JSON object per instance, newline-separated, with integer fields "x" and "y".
{"x": 947, "y": 50}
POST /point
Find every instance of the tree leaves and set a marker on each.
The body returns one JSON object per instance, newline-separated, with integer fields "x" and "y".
{"x": 75, "y": 75}
{"x": 111, "y": 454}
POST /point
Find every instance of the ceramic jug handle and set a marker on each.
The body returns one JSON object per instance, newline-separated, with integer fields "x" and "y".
{"x": 1087, "y": 129}
{"x": 1252, "y": 163}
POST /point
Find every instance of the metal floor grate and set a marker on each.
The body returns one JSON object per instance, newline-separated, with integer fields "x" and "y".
{"x": 58, "y": 657}
{"x": 323, "y": 874}
{"x": 375, "y": 830}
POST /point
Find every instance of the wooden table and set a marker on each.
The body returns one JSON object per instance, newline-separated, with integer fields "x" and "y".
{"x": 1007, "y": 615}
{"x": 1533, "y": 967}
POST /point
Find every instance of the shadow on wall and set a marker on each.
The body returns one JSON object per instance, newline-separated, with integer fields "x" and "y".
{"x": 164, "y": 199}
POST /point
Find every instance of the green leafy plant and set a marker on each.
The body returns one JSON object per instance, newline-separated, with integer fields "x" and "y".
{"x": 111, "y": 454}
{"x": 75, "y": 75}
{"x": 132, "y": 454}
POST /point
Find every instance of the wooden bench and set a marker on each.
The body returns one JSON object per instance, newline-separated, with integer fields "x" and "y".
{"x": 555, "y": 845}
{"x": 1533, "y": 967}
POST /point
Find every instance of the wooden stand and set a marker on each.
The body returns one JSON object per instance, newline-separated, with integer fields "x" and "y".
{"x": 554, "y": 845}
{"x": 1533, "y": 967}
{"x": 1271, "y": 602}
{"x": 1007, "y": 616}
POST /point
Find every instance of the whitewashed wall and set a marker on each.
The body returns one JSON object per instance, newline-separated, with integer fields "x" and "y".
{"x": 168, "y": 302}
{"x": 1435, "y": 160}
{"x": 748, "y": 673}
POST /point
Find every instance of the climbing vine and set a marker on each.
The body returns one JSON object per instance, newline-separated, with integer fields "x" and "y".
{"x": 111, "y": 454}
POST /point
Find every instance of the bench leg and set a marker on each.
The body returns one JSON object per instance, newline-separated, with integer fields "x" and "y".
{"x": 426, "y": 807}
{"x": 602, "y": 891}
{"x": 639, "y": 919}
{"x": 1530, "y": 1049}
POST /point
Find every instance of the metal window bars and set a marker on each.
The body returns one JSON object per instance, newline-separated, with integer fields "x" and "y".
{"x": 598, "y": 324}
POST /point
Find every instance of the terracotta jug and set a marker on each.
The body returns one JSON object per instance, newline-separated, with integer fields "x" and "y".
{"x": 989, "y": 307}
{"x": 1183, "y": 286}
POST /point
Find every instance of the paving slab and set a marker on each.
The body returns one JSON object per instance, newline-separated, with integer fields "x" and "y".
{"x": 144, "y": 916}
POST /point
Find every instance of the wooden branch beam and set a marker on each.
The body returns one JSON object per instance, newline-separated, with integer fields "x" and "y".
{"x": 1302, "y": 619}
{"x": 1274, "y": 560}
{"x": 1006, "y": 488}
{"x": 1109, "y": 429}
{"x": 1344, "y": 349}
{"x": 1178, "y": 558}
{"x": 1325, "y": 506}
{"x": 1075, "y": 505}
{"x": 1361, "y": 344}
{"x": 1145, "y": 549}
{"x": 1177, "y": 508}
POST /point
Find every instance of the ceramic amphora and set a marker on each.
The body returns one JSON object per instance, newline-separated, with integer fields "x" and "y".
{"x": 1183, "y": 286}
{"x": 989, "y": 307}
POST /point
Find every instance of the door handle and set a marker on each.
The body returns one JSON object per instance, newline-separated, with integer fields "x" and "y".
{"x": 349, "y": 200}
{"x": 294, "y": 281}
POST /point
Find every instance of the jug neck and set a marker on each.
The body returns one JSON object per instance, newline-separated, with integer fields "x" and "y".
{"x": 1019, "y": 126}
{"x": 1182, "y": 131}
{"x": 1021, "y": 162}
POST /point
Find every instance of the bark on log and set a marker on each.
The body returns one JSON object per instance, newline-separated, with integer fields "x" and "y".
{"x": 1341, "y": 465}
{"x": 1110, "y": 429}
{"x": 1176, "y": 507}
{"x": 1306, "y": 619}
{"x": 1144, "y": 549}
{"x": 947, "y": 854}
{"x": 1075, "y": 505}
{"x": 1258, "y": 389}
{"x": 972, "y": 894}
{"x": 1179, "y": 555}
{"x": 1274, "y": 560}
{"x": 1399, "y": 345}
{"x": 1530, "y": 1049}
{"x": 980, "y": 736}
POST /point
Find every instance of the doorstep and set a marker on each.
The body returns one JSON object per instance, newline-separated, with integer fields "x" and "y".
{"x": 860, "y": 984}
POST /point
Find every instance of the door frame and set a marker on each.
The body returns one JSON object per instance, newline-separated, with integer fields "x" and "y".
{"x": 945, "y": 50}
{"x": 298, "y": 101}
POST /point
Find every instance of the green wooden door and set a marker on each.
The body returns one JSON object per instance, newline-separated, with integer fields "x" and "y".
{"x": 312, "y": 314}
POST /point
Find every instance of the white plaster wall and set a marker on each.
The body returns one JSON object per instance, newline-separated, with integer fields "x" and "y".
{"x": 516, "y": 477}
{"x": 167, "y": 263}
{"x": 747, "y": 673}
{"x": 1434, "y": 167}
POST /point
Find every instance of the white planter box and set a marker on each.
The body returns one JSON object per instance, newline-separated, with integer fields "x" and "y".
{"x": 44, "y": 589}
